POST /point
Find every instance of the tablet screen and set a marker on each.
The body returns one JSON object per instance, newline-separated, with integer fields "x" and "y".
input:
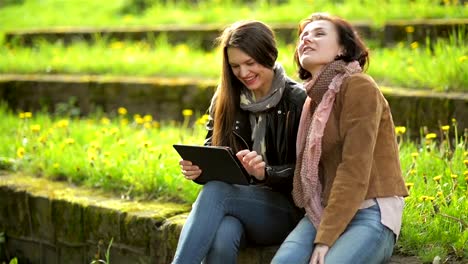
{"x": 216, "y": 162}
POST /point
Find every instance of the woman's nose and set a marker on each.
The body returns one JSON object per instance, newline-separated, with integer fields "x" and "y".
{"x": 243, "y": 71}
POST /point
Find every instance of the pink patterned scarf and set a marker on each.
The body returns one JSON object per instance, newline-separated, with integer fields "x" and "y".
{"x": 321, "y": 91}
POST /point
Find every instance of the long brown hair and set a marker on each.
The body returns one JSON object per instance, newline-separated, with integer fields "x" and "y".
{"x": 353, "y": 46}
{"x": 258, "y": 41}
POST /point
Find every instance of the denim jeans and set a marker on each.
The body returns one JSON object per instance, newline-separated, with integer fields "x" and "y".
{"x": 225, "y": 216}
{"x": 365, "y": 240}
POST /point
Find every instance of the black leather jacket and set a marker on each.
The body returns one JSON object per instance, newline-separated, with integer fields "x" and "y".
{"x": 282, "y": 124}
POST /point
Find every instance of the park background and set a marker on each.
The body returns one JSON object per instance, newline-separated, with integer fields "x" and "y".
{"x": 94, "y": 94}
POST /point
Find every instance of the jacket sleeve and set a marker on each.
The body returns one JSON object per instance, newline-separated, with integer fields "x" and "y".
{"x": 279, "y": 177}
{"x": 359, "y": 123}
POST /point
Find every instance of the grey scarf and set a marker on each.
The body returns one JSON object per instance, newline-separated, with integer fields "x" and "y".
{"x": 257, "y": 108}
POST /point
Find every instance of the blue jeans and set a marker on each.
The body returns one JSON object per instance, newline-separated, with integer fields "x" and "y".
{"x": 225, "y": 216}
{"x": 365, "y": 240}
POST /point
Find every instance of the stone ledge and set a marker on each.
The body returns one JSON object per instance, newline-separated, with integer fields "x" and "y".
{"x": 387, "y": 34}
{"x": 53, "y": 222}
{"x": 165, "y": 98}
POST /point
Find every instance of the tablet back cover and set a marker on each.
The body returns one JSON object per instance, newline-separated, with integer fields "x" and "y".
{"x": 216, "y": 163}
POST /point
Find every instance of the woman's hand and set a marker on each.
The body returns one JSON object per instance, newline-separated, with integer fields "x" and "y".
{"x": 190, "y": 171}
{"x": 318, "y": 256}
{"x": 253, "y": 163}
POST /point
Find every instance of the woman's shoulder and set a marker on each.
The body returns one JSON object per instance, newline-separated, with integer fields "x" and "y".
{"x": 360, "y": 80}
{"x": 294, "y": 92}
{"x": 360, "y": 87}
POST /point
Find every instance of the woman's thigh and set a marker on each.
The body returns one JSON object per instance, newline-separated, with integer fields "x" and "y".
{"x": 266, "y": 215}
{"x": 298, "y": 246}
{"x": 365, "y": 240}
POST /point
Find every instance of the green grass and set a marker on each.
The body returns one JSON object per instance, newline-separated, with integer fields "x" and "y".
{"x": 132, "y": 156}
{"x": 440, "y": 66}
{"x": 75, "y": 13}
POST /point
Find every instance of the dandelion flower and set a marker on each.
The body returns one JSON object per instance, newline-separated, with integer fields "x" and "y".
{"x": 122, "y": 111}
{"x": 409, "y": 29}
{"x": 27, "y": 114}
{"x": 62, "y": 123}
{"x": 148, "y": 118}
{"x": 431, "y": 136}
{"x": 35, "y": 128}
{"x": 105, "y": 121}
{"x": 414, "y": 45}
{"x": 20, "y": 152}
{"x": 409, "y": 185}
{"x": 187, "y": 112}
{"x": 445, "y": 128}
{"x": 453, "y": 176}
{"x": 400, "y": 130}
{"x": 69, "y": 141}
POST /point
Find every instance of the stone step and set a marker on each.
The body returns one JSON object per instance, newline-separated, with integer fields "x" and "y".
{"x": 53, "y": 222}
{"x": 165, "y": 98}
{"x": 389, "y": 34}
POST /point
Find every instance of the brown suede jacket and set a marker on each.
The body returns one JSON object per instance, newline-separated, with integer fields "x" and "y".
{"x": 359, "y": 155}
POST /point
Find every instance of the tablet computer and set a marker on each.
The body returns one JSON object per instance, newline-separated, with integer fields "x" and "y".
{"x": 216, "y": 162}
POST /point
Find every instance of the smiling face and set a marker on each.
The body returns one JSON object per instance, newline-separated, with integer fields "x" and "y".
{"x": 318, "y": 45}
{"x": 252, "y": 74}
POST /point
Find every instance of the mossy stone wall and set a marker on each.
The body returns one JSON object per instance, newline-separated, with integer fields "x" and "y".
{"x": 166, "y": 98}
{"x": 52, "y": 222}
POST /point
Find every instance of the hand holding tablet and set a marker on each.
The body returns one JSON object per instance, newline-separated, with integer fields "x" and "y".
{"x": 216, "y": 163}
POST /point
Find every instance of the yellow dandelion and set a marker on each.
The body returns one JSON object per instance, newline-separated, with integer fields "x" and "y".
{"x": 413, "y": 172}
{"x": 105, "y": 121}
{"x": 62, "y": 123}
{"x": 409, "y": 185}
{"x": 437, "y": 178}
{"x": 124, "y": 122}
{"x": 439, "y": 193}
{"x": 69, "y": 141}
{"x": 187, "y": 112}
{"x": 116, "y": 45}
{"x": 21, "y": 115}
{"x": 414, "y": 45}
{"x": 414, "y": 155}
{"x": 431, "y": 136}
{"x": 465, "y": 153}
{"x": 146, "y": 144}
{"x": 423, "y": 197}
{"x": 56, "y": 166}
{"x": 113, "y": 131}
{"x": 139, "y": 120}
{"x": 122, "y": 111}
{"x": 445, "y": 128}
{"x": 27, "y": 114}
{"x": 409, "y": 29}
{"x": 42, "y": 139}
{"x": 430, "y": 198}
{"x": 156, "y": 124}
{"x": 148, "y": 118}
{"x": 453, "y": 176}
{"x": 20, "y": 152}
{"x": 462, "y": 58}
{"x": 400, "y": 130}
{"x": 92, "y": 156}
{"x": 147, "y": 125}
{"x": 465, "y": 162}
{"x": 35, "y": 128}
